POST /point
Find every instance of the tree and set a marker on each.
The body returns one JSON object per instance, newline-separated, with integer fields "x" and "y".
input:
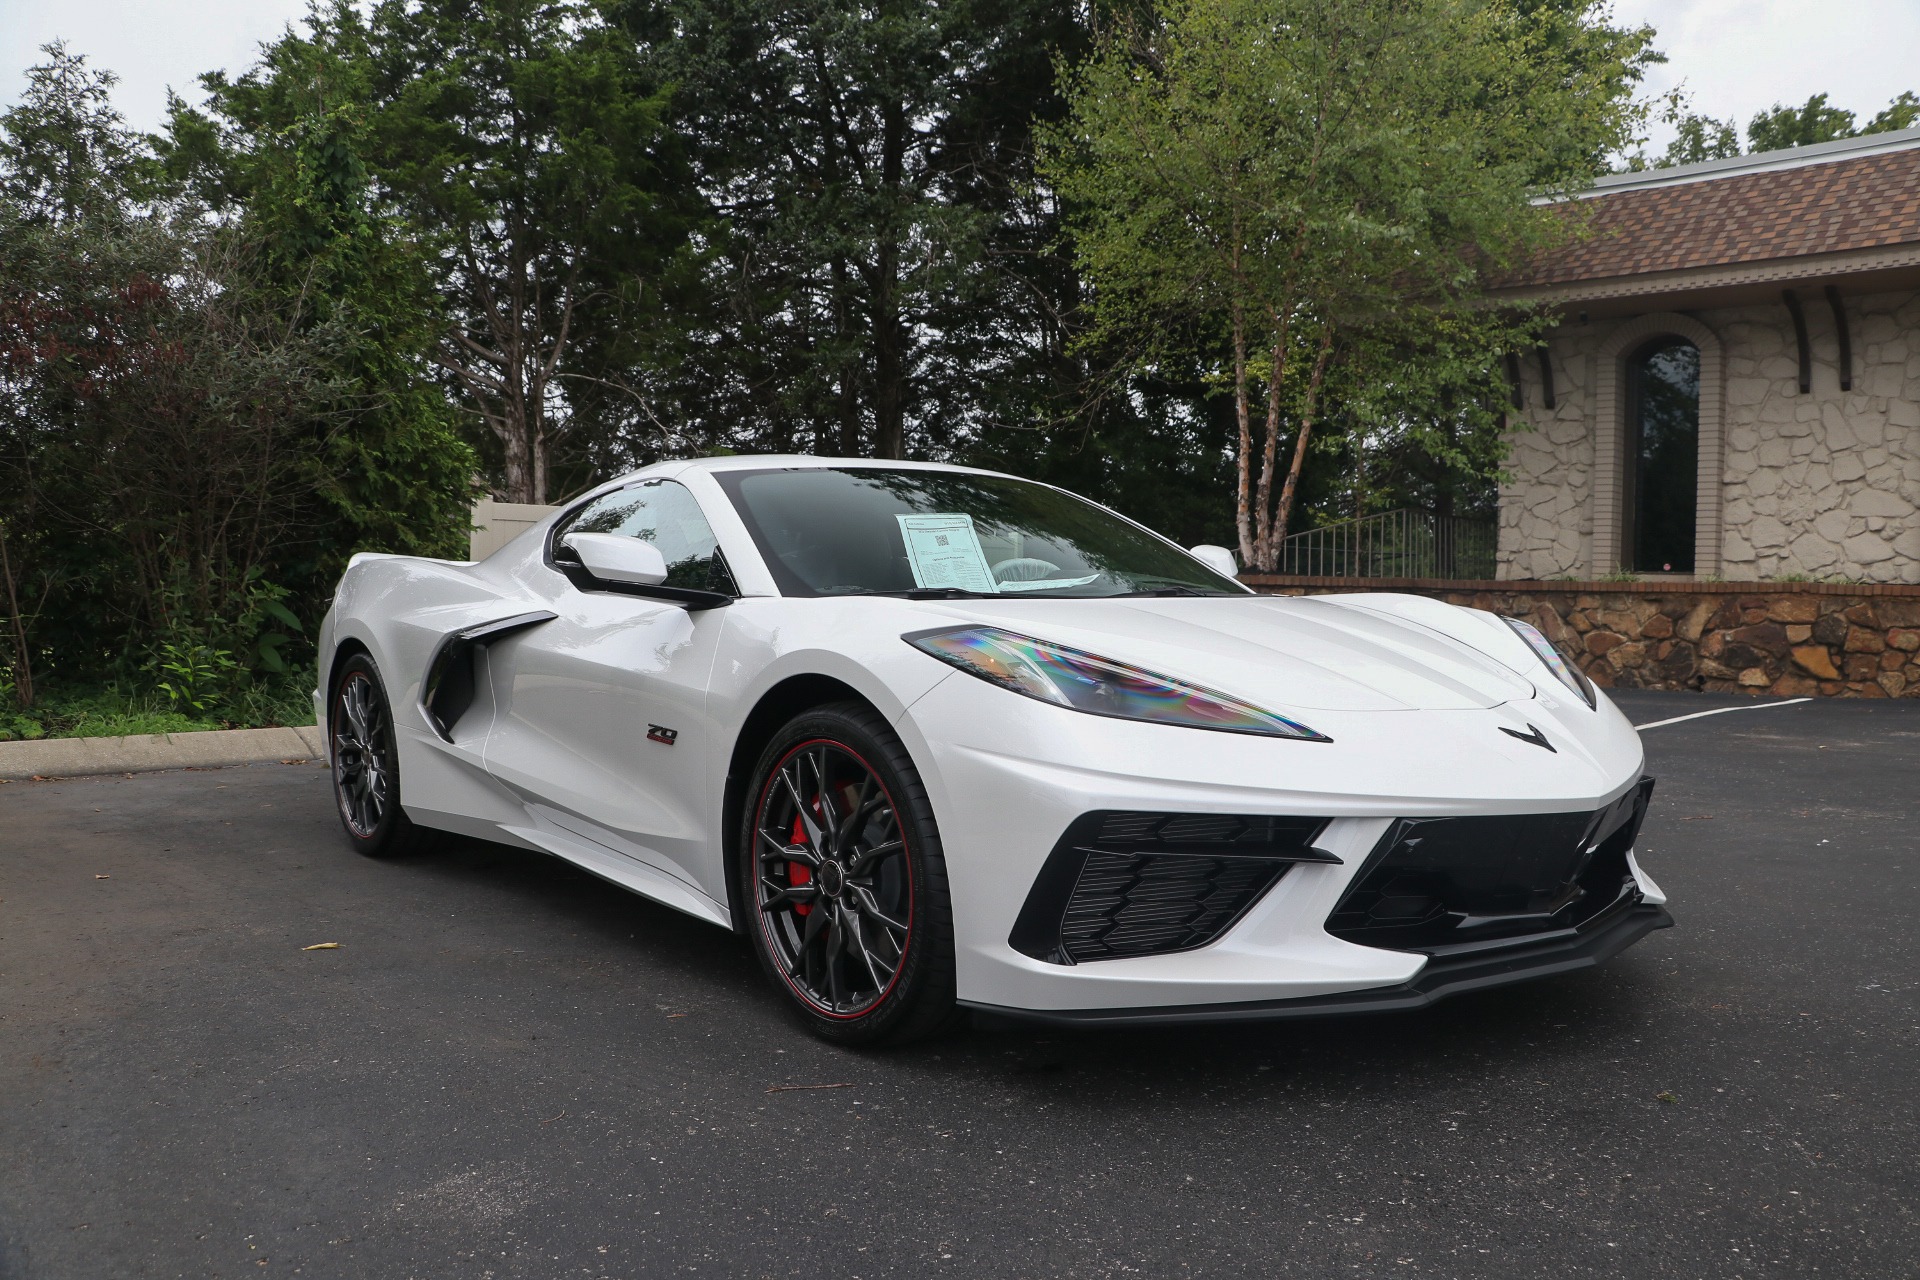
{"x": 1276, "y": 181}
{"x": 213, "y": 376}
{"x": 1813, "y": 121}
{"x": 881, "y": 271}
{"x": 1902, "y": 113}
{"x": 525, "y": 139}
{"x": 1699, "y": 138}
{"x": 64, "y": 151}
{"x": 280, "y": 156}
{"x": 157, "y": 442}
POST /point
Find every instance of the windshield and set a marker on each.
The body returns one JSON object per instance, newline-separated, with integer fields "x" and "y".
{"x": 861, "y": 531}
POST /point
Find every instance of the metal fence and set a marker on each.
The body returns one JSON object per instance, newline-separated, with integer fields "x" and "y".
{"x": 1393, "y": 544}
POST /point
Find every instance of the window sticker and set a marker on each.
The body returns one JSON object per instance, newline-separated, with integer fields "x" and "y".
{"x": 945, "y": 551}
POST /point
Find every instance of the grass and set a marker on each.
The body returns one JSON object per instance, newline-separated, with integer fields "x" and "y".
{"x": 114, "y": 711}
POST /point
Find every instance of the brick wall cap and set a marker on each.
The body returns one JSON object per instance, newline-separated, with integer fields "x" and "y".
{"x": 1644, "y": 587}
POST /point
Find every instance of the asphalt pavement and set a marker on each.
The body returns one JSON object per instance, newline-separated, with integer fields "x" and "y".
{"x": 509, "y": 1068}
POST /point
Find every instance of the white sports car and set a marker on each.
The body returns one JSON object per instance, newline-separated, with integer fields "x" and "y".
{"x": 936, "y": 739}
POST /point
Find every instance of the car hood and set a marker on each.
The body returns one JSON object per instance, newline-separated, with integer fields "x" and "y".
{"x": 1310, "y": 653}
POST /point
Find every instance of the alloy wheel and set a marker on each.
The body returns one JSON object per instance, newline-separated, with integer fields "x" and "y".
{"x": 362, "y": 760}
{"x": 835, "y": 885}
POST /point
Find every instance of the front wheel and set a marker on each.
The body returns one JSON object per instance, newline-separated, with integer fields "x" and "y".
{"x": 844, "y": 880}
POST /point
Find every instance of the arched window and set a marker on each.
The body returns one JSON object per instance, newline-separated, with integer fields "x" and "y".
{"x": 1663, "y": 456}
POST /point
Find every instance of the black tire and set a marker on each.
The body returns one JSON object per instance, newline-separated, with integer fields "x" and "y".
{"x": 366, "y": 765}
{"x": 848, "y": 908}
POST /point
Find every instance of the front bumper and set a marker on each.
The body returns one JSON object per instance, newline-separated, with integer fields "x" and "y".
{"x": 1438, "y": 980}
{"x": 1008, "y": 775}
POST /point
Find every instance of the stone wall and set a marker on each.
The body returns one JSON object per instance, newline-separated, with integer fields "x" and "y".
{"x": 1790, "y": 640}
{"x": 1824, "y": 485}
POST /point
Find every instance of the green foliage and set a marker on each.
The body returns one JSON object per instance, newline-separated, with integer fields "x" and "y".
{"x": 882, "y": 277}
{"x": 1816, "y": 120}
{"x": 282, "y": 153}
{"x": 126, "y": 707}
{"x": 194, "y": 677}
{"x": 1813, "y": 121}
{"x": 1700, "y": 138}
{"x": 523, "y": 143}
{"x": 65, "y": 153}
{"x": 1902, "y": 113}
{"x": 207, "y": 400}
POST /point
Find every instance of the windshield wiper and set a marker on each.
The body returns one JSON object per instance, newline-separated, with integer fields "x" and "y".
{"x": 924, "y": 593}
{"x": 1173, "y": 591}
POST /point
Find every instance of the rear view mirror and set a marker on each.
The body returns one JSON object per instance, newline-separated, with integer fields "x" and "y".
{"x": 1218, "y": 559}
{"x": 609, "y": 557}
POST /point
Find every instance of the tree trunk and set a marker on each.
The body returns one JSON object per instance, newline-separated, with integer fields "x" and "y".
{"x": 1243, "y": 456}
{"x": 541, "y": 447}
{"x": 889, "y": 336}
{"x": 1265, "y": 547}
{"x": 517, "y": 462}
{"x": 1308, "y": 410}
{"x": 848, "y": 399}
{"x": 22, "y": 657}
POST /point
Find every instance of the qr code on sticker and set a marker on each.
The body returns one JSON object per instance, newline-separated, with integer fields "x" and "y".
{"x": 939, "y": 539}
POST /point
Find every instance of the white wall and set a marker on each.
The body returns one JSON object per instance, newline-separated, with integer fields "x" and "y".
{"x": 495, "y": 524}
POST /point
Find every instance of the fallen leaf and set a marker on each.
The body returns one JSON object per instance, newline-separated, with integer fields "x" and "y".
{"x": 101, "y": 877}
{"x": 298, "y": 760}
{"x": 791, "y": 1088}
{"x": 322, "y": 946}
{"x": 1663, "y": 1096}
{"x": 1698, "y": 817}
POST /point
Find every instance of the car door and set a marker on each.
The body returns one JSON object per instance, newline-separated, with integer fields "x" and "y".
{"x": 600, "y": 715}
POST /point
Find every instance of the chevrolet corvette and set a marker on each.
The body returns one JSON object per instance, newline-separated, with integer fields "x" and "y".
{"x": 934, "y": 739}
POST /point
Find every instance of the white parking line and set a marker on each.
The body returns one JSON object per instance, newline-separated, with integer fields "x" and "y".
{"x": 1720, "y": 711}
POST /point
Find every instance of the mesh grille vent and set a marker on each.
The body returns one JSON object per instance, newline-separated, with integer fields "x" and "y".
{"x": 1143, "y": 904}
{"x": 1125, "y": 883}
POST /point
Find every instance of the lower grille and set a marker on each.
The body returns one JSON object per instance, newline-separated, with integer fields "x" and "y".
{"x": 1143, "y": 905}
{"x": 1443, "y": 885}
{"x": 1122, "y": 884}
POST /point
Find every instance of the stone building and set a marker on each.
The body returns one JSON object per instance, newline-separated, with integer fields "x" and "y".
{"x": 1732, "y": 390}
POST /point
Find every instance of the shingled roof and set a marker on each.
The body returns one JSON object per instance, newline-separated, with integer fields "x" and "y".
{"x": 1861, "y": 193}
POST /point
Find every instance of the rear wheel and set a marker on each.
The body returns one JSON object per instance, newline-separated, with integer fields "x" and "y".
{"x": 844, "y": 880}
{"x": 366, "y": 764}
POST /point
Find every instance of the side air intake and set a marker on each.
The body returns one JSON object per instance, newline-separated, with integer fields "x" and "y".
{"x": 1123, "y": 883}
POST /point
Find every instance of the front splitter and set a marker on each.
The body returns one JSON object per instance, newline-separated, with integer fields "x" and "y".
{"x": 1440, "y": 979}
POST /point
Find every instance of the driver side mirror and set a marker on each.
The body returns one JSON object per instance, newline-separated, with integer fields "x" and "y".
{"x": 1218, "y": 559}
{"x": 610, "y": 557}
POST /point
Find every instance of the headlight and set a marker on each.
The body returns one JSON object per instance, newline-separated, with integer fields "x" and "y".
{"x": 1100, "y": 686}
{"x": 1563, "y": 669}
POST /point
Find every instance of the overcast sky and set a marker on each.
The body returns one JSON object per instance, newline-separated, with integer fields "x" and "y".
{"x": 1735, "y": 57}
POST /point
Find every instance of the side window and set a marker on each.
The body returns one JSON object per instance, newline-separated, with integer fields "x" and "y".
{"x": 665, "y": 514}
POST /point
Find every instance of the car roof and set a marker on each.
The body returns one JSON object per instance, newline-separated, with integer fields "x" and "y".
{"x": 791, "y": 462}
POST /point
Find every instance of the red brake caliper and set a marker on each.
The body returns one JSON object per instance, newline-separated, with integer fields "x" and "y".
{"x": 797, "y": 872}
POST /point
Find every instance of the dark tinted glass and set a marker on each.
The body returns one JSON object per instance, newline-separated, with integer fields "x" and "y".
{"x": 1664, "y": 401}
{"x": 665, "y": 514}
{"x": 841, "y": 532}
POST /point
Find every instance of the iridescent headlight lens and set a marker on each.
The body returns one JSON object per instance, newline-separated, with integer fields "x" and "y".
{"x": 1564, "y": 670}
{"x": 1100, "y": 686}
